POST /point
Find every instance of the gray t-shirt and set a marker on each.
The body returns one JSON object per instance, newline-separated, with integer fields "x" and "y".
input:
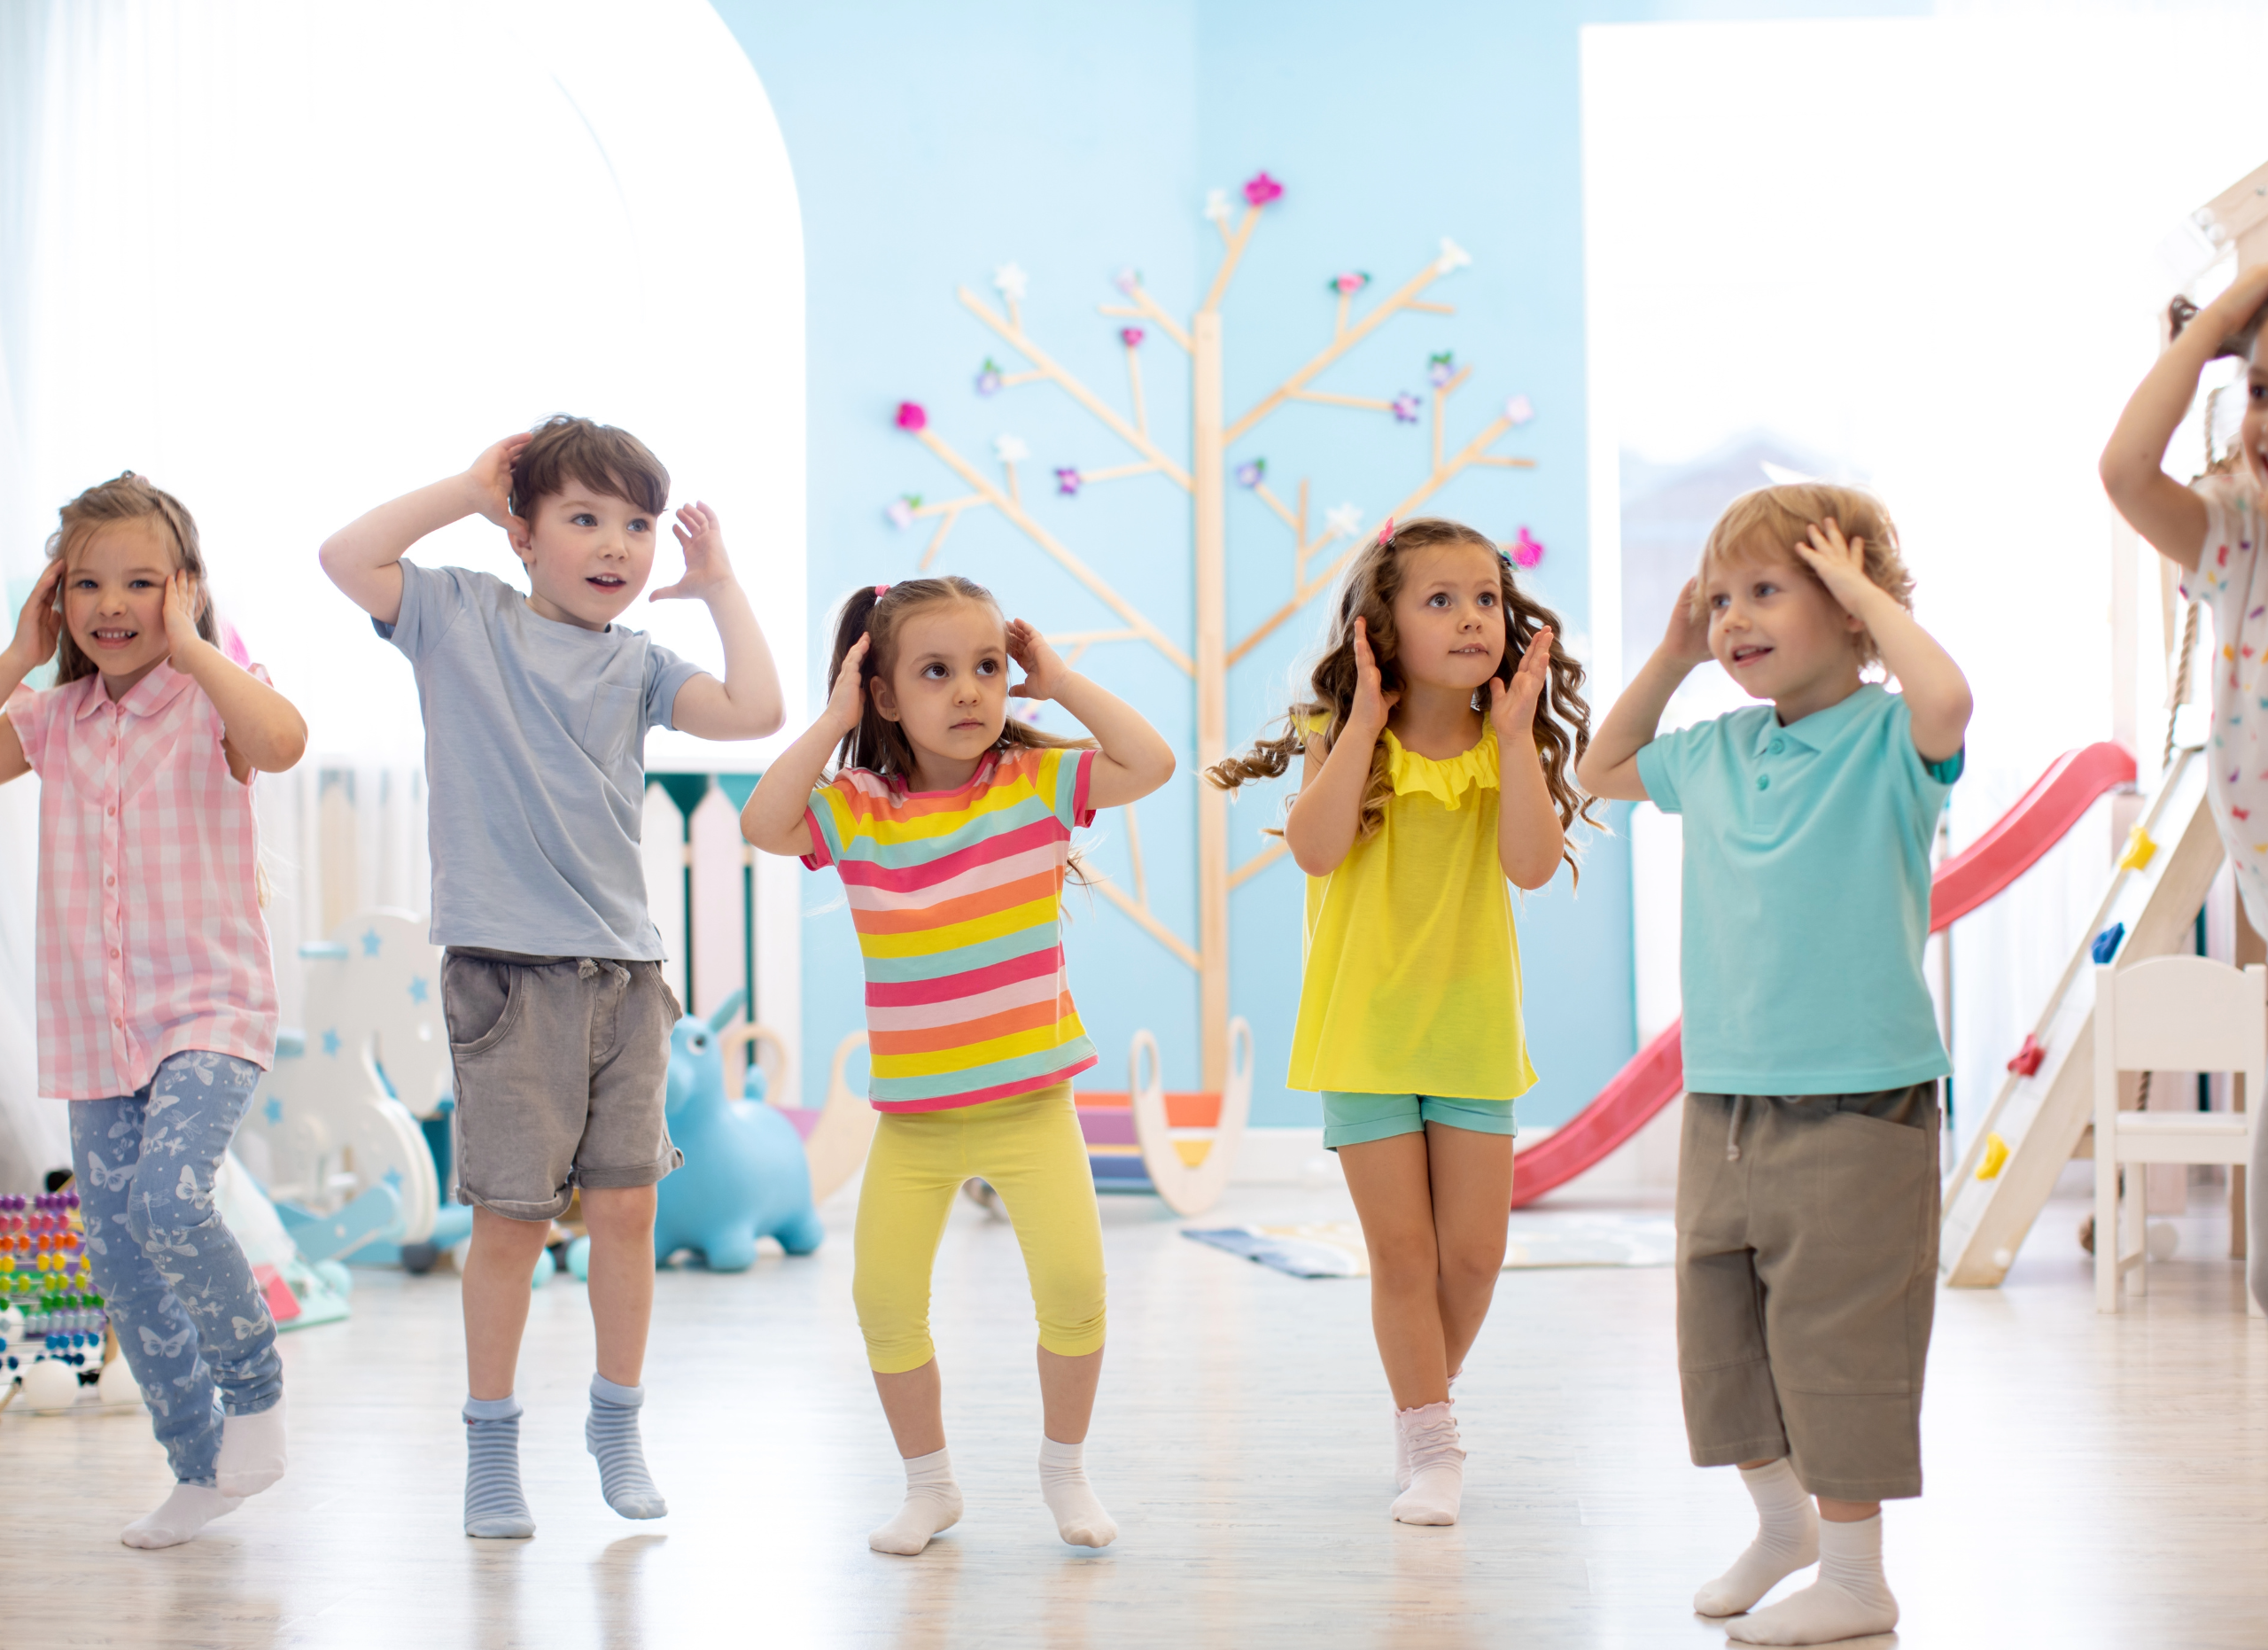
{"x": 535, "y": 762}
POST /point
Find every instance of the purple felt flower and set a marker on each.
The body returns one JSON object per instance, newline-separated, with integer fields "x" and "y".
{"x": 900, "y": 510}
{"x": 1260, "y": 189}
{"x": 1405, "y": 407}
{"x": 1527, "y": 549}
{"x": 1251, "y": 473}
{"x": 1131, "y": 337}
{"x": 1441, "y": 368}
{"x": 1068, "y": 480}
{"x": 1346, "y": 282}
{"x": 911, "y": 417}
{"x": 1126, "y": 280}
{"x": 988, "y": 377}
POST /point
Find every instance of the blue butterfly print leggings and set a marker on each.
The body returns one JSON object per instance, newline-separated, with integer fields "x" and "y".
{"x": 180, "y": 1293}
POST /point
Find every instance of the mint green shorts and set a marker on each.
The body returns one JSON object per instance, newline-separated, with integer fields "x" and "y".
{"x": 1356, "y": 1119}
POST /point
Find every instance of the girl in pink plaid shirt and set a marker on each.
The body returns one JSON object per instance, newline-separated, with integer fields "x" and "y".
{"x": 156, "y": 994}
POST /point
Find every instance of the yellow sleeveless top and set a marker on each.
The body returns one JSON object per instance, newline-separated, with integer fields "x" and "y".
{"x": 1412, "y": 982}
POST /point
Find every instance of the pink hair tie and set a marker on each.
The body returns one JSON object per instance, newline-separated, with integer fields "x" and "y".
{"x": 881, "y": 590}
{"x": 1385, "y": 533}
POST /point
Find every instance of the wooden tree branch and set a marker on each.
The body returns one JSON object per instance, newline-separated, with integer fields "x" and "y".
{"x": 1014, "y": 511}
{"x": 1283, "y": 512}
{"x": 1134, "y": 382}
{"x": 1116, "y": 472}
{"x": 1403, "y": 299}
{"x": 1145, "y": 305}
{"x": 1148, "y": 923}
{"x": 949, "y": 511}
{"x": 1078, "y": 392}
{"x": 1134, "y": 854}
{"x": 1258, "y": 863}
{"x": 1221, "y": 276}
{"x": 1368, "y": 403}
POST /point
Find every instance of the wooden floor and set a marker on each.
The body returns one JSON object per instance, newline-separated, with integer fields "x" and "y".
{"x": 2094, "y": 1481}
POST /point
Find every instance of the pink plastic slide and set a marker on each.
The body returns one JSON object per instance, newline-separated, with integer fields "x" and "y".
{"x": 1656, "y": 1076}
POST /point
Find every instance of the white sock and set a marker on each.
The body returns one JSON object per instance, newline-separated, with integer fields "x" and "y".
{"x": 1436, "y": 1465}
{"x": 1402, "y": 1444}
{"x": 932, "y": 1504}
{"x": 1849, "y": 1600}
{"x": 1079, "y": 1518}
{"x": 1787, "y": 1539}
{"x": 251, "y": 1452}
{"x": 186, "y": 1512}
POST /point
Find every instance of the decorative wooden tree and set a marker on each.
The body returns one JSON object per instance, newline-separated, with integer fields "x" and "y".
{"x": 1206, "y": 477}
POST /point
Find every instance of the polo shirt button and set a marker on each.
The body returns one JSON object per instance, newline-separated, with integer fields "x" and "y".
{"x": 114, "y": 951}
{"x": 1764, "y": 782}
{"x": 1777, "y": 745}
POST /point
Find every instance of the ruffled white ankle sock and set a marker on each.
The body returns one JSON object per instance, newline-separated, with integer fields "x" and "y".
{"x": 1849, "y": 1600}
{"x": 178, "y": 1519}
{"x": 1436, "y": 1466}
{"x": 1079, "y": 1518}
{"x": 932, "y": 1504}
{"x": 1402, "y": 1444}
{"x": 1787, "y": 1539}
{"x": 251, "y": 1452}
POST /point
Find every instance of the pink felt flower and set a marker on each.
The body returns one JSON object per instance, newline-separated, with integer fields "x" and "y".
{"x": 1131, "y": 337}
{"x": 911, "y": 417}
{"x": 1068, "y": 480}
{"x": 1405, "y": 407}
{"x": 1346, "y": 282}
{"x": 1527, "y": 549}
{"x": 1260, "y": 189}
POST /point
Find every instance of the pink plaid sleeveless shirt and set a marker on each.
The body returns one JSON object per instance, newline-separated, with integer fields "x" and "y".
{"x": 150, "y": 938}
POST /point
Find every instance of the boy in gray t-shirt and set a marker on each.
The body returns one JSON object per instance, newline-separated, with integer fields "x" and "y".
{"x": 536, "y": 710}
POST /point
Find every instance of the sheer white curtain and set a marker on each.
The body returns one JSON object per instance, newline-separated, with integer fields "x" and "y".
{"x": 289, "y": 260}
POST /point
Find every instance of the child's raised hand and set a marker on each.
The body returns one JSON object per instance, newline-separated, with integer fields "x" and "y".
{"x": 39, "y": 625}
{"x": 702, "y": 538}
{"x": 1511, "y": 708}
{"x": 1840, "y": 563}
{"x": 1686, "y": 637}
{"x": 1372, "y": 702}
{"x": 184, "y": 601}
{"x": 489, "y": 478}
{"x": 846, "y": 701}
{"x": 1043, "y": 668}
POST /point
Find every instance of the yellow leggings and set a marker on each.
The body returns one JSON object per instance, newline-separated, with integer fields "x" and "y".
{"x": 1029, "y": 1146}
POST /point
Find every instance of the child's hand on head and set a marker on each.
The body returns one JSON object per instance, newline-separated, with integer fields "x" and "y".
{"x": 1511, "y": 708}
{"x": 1372, "y": 702}
{"x": 701, "y": 537}
{"x": 1043, "y": 668}
{"x": 1840, "y": 563}
{"x": 846, "y": 701}
{"x": 1686, "y": 637}
{"x": 489, "y": 478}
{"x": 183, "y": 602}
{"x": 39, "y": 624}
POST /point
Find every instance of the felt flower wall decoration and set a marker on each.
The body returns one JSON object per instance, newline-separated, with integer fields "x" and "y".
{"x": 1519, "y": 410}
{"x": 1260, "y": 189}
{"x": 1346, "y": 282}
{"x": 911, "y": 417}
{"x": 1011, "y": 282}
{"x": 900, "y": 511}
{"x": 1010, "y": 449}
{"x": 1216, "y": 204}
{"x": 1251, "y": 473}
{"x": 1527, "y": 549}
{"x": 988, "y": 377}
{"x": 1344, "y": 521}
{"x": 1405, "y": 407}
{"x": 1453, "y": 257}
{"x": 1131, "y": 337}
{"x": 1441, "y": 368}
{"x": 1068, "y": 481}
{"x": 1126, "y": 280}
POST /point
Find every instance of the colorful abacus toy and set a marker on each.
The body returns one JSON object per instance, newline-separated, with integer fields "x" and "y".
{"x": 49, "y": 1311}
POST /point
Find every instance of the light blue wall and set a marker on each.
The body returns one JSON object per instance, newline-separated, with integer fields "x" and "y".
{"x": 933, "y": 141}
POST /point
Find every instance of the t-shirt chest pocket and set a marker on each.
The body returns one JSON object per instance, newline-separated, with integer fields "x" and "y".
{"x": 612, "y": 723}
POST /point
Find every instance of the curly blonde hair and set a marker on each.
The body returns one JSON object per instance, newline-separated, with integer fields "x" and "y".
{"x": 1774, "y": 520}
{"x": 1563, "y": 716}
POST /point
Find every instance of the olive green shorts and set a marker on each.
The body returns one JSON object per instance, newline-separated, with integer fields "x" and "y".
{"x": 1358, "y": 1119}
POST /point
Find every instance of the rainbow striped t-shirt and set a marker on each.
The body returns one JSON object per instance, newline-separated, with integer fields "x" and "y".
{"x": 957, "y": 896}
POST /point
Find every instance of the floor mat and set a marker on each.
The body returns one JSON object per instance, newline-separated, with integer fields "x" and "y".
{"x": 1333, "y": 1249}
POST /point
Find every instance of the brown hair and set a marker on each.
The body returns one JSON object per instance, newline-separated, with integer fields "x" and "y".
{"x": 128, "y": 498}
{"x": 879, "y": 744}
{"x": 608, "y": 460}
{"x": 1563, "y": 722}
{"x": 1783, "y": 517}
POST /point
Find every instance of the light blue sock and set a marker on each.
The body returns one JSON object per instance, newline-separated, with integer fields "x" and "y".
{"x": 493, "y": 1506}
{"x": 611, "y": 1435}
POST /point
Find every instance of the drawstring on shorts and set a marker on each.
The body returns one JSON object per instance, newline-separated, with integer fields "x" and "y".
{"x": 588, "y": 967}
{"x": 1732, "y": 1130}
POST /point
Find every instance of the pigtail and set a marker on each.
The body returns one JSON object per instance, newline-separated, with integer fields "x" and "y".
{"x": 1563, "y": 715}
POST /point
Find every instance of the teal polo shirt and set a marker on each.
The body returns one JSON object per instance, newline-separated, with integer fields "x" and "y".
{"x": 1806, "y": 896}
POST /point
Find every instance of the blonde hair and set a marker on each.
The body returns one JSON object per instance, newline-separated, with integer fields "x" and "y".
{"x": 1778, "y": 518}
{"x": 128, "y": 497}
{"x": 1563, "y": 716}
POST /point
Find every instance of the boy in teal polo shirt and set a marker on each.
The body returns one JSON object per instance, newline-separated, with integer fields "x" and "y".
{"x": 1807, "y": 1181}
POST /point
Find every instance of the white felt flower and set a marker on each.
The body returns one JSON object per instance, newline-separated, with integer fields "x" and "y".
{"x": 1216, "y": 204}
{"x": 1519, "y": 410}
{"x": 1453, "y": 257}
{"x": 1011, "y": 282}
{"x": 1345, "y": 520}
{"x": 1010, "y": 449}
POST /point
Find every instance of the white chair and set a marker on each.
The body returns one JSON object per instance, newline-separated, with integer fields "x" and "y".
{"x": 2168, "y": 1014}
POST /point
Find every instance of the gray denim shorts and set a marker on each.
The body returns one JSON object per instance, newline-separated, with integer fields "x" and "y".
{"x": 561, "y": 1071}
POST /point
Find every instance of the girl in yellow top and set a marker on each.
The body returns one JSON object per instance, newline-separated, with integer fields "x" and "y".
{"x": 1440, "y": 741}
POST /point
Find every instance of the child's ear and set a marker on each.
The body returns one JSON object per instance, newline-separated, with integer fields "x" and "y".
{"x": 521, "y": 531}
{"x": 885, "y": 700}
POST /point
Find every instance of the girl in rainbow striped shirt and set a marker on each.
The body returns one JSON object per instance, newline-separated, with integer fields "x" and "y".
{"x": 951, "y": 825}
